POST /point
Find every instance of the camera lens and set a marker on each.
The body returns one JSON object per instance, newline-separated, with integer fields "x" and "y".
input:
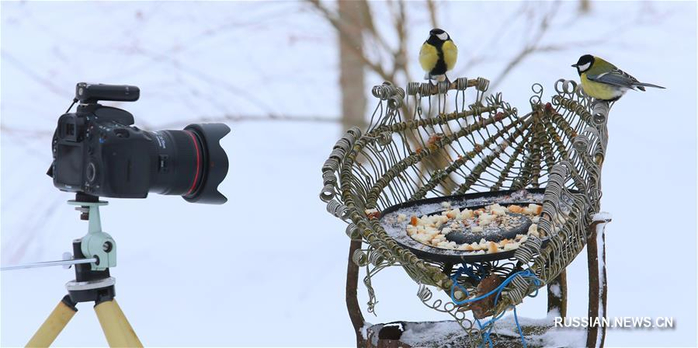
{"x": 191, "y": 162}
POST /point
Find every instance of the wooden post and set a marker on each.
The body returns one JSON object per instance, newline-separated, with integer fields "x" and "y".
{"x": 357, "y": 319}
{"x": 598, "y": 287}
{"x": 557, "y": 294}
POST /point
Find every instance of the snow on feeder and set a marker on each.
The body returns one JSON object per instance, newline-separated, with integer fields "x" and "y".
{"x": 471, "y": 198}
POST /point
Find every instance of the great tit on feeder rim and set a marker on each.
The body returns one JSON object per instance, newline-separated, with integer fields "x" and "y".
{"x": 604, "y": 81}
{"x": 438, "y": 55}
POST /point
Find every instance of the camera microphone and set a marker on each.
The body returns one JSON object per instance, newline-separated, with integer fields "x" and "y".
{"x": 91, "y": 93}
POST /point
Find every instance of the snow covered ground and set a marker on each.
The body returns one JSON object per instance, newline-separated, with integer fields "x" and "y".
{"x": 267, "y": 268}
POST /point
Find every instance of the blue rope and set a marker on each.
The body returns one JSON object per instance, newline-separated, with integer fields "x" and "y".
{"x": 470, "y": 272}
{"x": 497, "y": 291}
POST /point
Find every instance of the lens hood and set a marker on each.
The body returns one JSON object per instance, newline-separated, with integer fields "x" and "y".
{"x": 215, "y": 160}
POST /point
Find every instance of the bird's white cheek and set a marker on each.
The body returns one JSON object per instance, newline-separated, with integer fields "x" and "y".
{"x": 584, "y": 67}
{"x": 443, "y": 36}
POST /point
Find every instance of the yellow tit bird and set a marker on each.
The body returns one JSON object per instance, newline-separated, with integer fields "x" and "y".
{"x": 438, "y": 55}
{"x": 602, "y": 80}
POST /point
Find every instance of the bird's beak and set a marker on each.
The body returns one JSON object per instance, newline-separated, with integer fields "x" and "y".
{"x": 574, "y": 65}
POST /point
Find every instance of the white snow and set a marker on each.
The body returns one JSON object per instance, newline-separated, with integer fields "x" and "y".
{"x": 602, "y": 216}
{"x": 194, "y": 275}
{"x": 418, "y": 334}
{"x": 600, "y": 240}
{"x": 555, "y": 289}
{"x": 554, "y": 337}
{"x": 364, "y": 329}
{"x": 560, "y": 337}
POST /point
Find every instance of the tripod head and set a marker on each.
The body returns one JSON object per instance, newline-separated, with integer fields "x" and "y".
{"x": 92, "y": 280}
{"x": 96, "y": 243}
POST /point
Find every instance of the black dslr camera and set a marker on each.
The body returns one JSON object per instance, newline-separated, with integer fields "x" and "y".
{"x": 99, "y": 152}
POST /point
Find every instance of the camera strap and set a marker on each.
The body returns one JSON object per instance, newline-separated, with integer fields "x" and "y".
{"x": 75, "y": 100}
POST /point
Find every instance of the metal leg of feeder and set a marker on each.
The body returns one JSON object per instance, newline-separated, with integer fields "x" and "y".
{"x": 598, "y": 287}
{"x": 357, "y": 319}
{"x": 557, "y": 295}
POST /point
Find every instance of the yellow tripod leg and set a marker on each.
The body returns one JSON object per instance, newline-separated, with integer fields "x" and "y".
{"x": 127, "y": 325}
{"x": 54, "y": 324}
{"x": 116, "y": 328}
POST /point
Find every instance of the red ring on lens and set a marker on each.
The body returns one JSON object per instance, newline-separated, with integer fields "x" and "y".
{"x": 198, "y": 162}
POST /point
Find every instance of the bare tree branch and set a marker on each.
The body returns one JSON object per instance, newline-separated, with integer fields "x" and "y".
{"x": 252, "y": 118}
{"x": 20, "y": 132}
{"x": 476, "y": 59}
{"x": 6, "y": 56}
{"x": 400, "y": 56}
{"x": 334, "y": 21}
{"x": 371, "y": 28}
{"x": 584, "y": 7}
{"x": 431, "y": 7}
{"x": 531, "y": 47}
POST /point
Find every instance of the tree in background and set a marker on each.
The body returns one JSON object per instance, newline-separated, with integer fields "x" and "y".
{"x": 352, "y": 16}
{"x": 364, "y": 47}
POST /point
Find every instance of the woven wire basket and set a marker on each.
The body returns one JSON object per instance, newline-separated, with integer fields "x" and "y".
{"x": 455, "y": 138}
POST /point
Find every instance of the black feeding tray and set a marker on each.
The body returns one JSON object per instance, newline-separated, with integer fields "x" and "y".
{"x": 432, "y": 206}
{"x": 464, "y": 235}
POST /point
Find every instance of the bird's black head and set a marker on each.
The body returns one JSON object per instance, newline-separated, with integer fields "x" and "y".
{"x": 437, "y": 34}
{"x": 584, "y": 63}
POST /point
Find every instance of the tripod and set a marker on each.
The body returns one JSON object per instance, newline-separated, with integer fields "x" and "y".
{"x": 96, "y": 252}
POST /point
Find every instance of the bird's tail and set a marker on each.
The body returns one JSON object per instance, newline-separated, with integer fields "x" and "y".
{"x": 641, "y": 86}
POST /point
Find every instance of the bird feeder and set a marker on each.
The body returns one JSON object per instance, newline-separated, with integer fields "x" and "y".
{"x": 454, "y": 145}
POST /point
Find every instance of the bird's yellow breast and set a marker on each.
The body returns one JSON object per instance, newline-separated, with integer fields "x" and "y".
{"x": 450, "y": 54}
{"x": 599, "y": 90}
{"x": 428, "y": 56}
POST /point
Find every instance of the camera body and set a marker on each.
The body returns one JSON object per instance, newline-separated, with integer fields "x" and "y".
{"x": 97, "y": 150}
